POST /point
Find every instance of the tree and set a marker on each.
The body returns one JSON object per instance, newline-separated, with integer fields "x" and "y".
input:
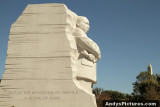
{"x": 158, "y": 78}
{"x": 100, "y": 96}
{"x": 129, "y": 97}
{"x": 146, "y": 86}
{"x": 97, "y": 91}
{"x": 115, "y": 95}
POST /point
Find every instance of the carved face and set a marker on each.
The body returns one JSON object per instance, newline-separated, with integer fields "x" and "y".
{"x": 83, "y": 24}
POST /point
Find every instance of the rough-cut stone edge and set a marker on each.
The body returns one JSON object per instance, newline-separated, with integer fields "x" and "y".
{"x": 73, "y": 50}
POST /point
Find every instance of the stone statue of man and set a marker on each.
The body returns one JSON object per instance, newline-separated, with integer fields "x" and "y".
{"x": 88, "y": 54}
{"x": 56, "y": 63}
{"x": 89, "y": 49}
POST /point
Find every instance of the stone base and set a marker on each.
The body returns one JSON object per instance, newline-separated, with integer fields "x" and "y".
{"x": 44, "y": 93}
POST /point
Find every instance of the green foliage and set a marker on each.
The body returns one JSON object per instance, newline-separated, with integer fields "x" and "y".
{"x": 97, "y": 90}
{"x": 115, "y": 95}
{"x": 128, "y": 97}
{"x": 145, "y": 76}
{"x": 111, "y": 95}
{"x": 158, "y": 78}
{"x": 102, "y": 94}
{"x": 146, "y": 86}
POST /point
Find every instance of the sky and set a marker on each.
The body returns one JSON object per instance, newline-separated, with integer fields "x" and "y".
{"x": 127, "y": 32}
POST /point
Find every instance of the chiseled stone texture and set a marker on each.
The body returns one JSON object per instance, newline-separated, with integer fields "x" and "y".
{"x": 43, "y": 64}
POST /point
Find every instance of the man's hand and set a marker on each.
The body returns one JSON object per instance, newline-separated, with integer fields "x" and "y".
{"x": 89, "y": 56}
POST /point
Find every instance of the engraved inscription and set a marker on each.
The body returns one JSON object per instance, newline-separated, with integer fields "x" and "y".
{"x": 43, "y": 95}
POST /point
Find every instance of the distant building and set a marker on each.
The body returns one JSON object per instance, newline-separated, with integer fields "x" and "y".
{"x": 150, "y": 69}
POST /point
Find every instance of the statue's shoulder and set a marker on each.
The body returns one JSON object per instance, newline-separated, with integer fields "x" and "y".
{"x": 79, "y": 33}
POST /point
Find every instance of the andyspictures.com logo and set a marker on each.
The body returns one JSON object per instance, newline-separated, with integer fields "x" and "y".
{"x": 131, "y": 103}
